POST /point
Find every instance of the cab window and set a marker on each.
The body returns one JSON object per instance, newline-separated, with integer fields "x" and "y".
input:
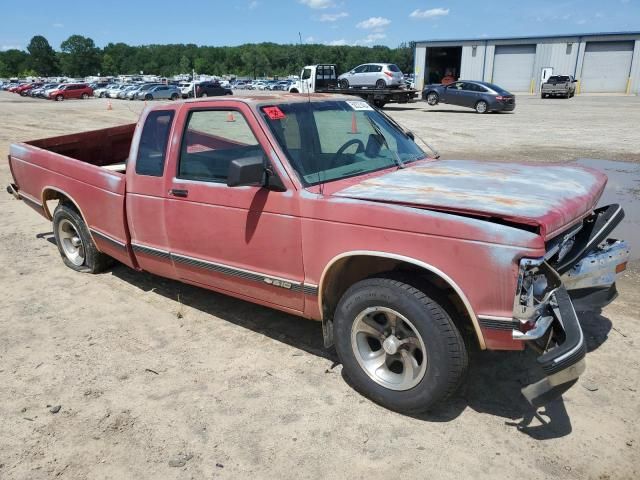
{"x": 211, "y": 141}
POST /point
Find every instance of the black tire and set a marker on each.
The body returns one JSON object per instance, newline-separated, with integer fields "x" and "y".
{"x": 94, "y": 260}
{"x": 204, "y": 95}
{"x": 482, "y": 107}
{"x": 85, "y": 96}
{"x": 59, "y": 98}
{"x": 379, "y": 103}
{"x": 446, "y": 355}
{"x": 380, "y": 84}
{"x": 432, "y": 98}
{"x": 543, "y": 95}
{"x": 174, "y": 96}
{"x": 148, "y": 96}
{"x": 344, "y": 83}
{"x": 101, "y": 95}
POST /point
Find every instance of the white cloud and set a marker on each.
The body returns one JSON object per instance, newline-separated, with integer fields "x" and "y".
{"x": 253, "y": 5}
{"x": 335, "y": 43}
{"x": 309, "y": 39}
{"x": 376, "y": 23}
{"x": 430, "y": 13}
{"x": 317, "y": 4}
{"x": 373, "y": 37}
{"x": 332, "y": 17}
{"x": 58, "y": 25}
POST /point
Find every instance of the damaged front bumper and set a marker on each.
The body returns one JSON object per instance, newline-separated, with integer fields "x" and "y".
{"x": 578, "y": 274}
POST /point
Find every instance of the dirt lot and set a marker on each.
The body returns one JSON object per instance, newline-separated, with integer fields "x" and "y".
{"x": 160, "y": 380}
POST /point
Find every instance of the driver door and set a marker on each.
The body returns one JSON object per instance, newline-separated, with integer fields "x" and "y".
{"x": 242, "y": 240}
{"x": 453, "y": 95}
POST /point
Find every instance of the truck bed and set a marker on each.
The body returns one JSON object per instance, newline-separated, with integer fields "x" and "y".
{"x": 385, "y": 95}
{"x": 85, "y": 169}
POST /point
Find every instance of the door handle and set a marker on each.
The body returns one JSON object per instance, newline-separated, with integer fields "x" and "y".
{"x": 176, "y": 192}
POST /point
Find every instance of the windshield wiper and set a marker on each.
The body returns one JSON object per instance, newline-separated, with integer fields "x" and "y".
{"x": 380, "y": 135}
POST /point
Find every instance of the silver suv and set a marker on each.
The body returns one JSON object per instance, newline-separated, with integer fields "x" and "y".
{"x": 379, "y": 75}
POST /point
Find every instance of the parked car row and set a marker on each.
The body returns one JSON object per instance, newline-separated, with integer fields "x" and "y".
{"x": 52, "y": 91}
{"x": 276, "y": 85}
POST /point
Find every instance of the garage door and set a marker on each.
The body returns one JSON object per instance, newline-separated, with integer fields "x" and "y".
{"x": 513, "y": 67}
{"x": 606, "y": 66}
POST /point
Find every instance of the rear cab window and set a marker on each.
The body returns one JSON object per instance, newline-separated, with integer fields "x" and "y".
{"x": 152, "y": 148}
{"x": 393, "y": 68}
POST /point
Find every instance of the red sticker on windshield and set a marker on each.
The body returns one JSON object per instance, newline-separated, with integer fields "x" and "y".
{"x": 274, "y": 113}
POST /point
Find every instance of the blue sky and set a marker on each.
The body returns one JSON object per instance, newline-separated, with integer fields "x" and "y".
{"x": 368, "y": 22}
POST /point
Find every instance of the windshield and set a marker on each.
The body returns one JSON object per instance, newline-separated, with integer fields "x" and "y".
{"x": 331, "y": 140}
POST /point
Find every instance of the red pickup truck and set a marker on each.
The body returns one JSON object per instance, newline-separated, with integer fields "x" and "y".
{"x": 324, "y": 207}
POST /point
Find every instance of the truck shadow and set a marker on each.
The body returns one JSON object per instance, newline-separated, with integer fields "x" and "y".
{"x": 493, "y": 382}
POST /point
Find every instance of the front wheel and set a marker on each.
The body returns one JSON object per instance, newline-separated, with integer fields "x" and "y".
{"x": 432, "y": 98}
{"x": 482, "y": 107}
{"x": 174, "y": 96}
{"x": 148, "y": 97}
{"x": 59, "y": 98}
{"x": 379, "y": 103}
{"x": 204, "y": 95}
{"x": 344, "y": 84}
{"x": 397, "y": 346}
{"x": 85, "y": 96}
{"x": 74, "y": 242}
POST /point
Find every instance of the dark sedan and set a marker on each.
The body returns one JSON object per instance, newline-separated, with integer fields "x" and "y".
{"x": 483, "y": 97}
{"x": 211, "y": 89}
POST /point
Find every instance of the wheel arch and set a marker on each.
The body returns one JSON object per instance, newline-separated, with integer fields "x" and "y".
{"x": 55, "y": 193}
{"x": 347, "y": 268}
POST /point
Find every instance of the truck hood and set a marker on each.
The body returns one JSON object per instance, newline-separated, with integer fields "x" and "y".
{"x": 546, "y": 197}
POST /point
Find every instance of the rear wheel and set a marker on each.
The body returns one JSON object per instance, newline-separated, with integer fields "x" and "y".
{"x": 204, "y": 95}
{"x": 344, "y": 83}
{"x": 379, "y": 103}
{"x": 482, "y": 107}
{"x": 174, "y": 96}
{"x": 397, "y": 346}
{"x": 74, "y": 242}
{"x": 381, "y": 84}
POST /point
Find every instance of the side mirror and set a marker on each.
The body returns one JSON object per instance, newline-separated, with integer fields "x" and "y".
{"x": 574, "y": 81}
{"x": 253, "y": 171}
{"x": 248, "y": 171}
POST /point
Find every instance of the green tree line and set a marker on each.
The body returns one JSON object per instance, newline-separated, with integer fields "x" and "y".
{"x": 78, "y": 56}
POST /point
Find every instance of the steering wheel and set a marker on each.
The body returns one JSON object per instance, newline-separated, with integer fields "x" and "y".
{"x": 353, "y": 141}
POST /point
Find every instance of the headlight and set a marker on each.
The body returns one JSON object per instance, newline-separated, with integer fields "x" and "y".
{"x": 536, "y": 283}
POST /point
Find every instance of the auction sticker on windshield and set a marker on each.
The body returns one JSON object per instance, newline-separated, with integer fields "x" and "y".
{"x": 358, "y": 105}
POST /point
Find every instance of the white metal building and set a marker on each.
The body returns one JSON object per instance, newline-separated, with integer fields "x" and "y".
{"x": 601, "y": 62}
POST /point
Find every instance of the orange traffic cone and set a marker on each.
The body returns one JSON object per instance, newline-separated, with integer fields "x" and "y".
{"x": 354, "y": 124}
{"x": 109, "y": 106}
{"x": 230, "y": 117}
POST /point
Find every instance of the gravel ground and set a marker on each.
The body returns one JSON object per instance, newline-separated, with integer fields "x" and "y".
{"x": 128, "y": 375}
